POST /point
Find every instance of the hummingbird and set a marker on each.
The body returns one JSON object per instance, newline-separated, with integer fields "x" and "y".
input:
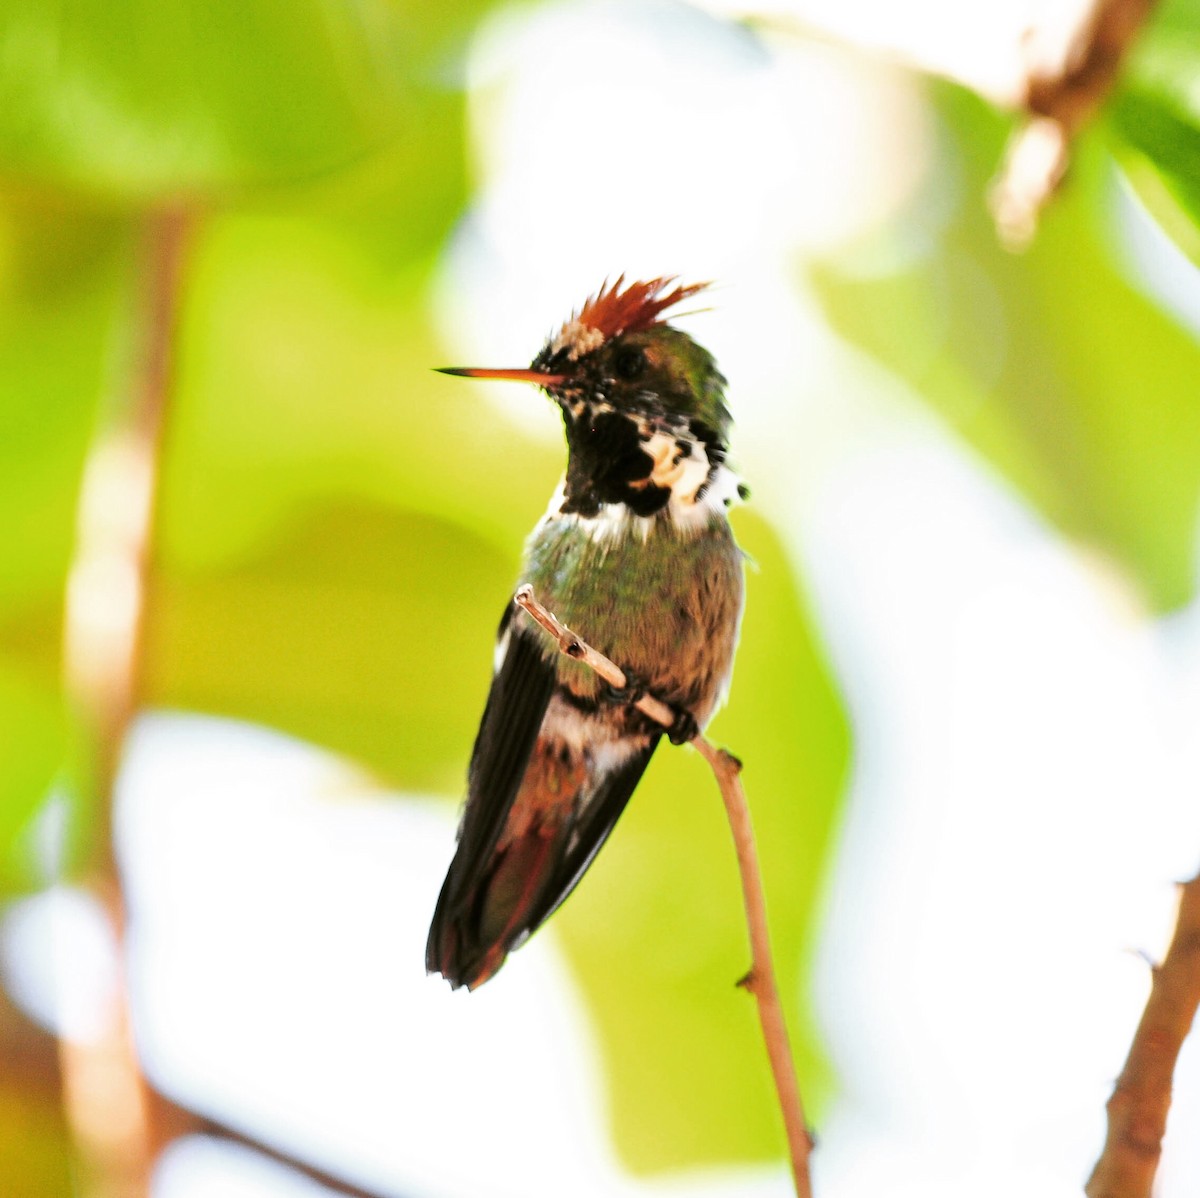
{"x": 635, "y": 554}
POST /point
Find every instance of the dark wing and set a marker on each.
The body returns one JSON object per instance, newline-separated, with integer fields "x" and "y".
{"x": 524, "y": 878}
{"x": 516, "y": 705}
{"x": 586, "y": 834}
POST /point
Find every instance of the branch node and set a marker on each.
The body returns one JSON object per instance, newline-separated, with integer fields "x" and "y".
{"x": 1141, "y": 1098}
{"x": 1146, "y": 959}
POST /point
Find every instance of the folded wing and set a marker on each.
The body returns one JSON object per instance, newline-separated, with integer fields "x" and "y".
{"x": 547, "y": 783}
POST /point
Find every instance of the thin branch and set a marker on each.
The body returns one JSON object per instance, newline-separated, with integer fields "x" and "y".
{"x": 760, "y": 981}
{"x": 1137, "y": 1110}
{"x": 181, "y": 1121}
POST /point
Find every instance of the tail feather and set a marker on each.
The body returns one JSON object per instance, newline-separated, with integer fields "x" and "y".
{"x": 490, "y": 906}
{"x": 470, "y": 940}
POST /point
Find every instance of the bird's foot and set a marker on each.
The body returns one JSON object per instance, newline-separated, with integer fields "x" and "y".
{"x": 623, "y": 696}
{"x": 684, "y": 728}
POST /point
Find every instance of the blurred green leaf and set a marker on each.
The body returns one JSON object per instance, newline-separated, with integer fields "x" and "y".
{"x": 35, "y": 1149}
{"x": 656, "y": 935}
{"x": 61, "y": 281}
{"x": 334, "y": 514}
{"x": 33, "y": 743}
{"x": 361, "y": 629}
{"x": 1067, "y": 377}
{"x": 1153, "y": 145}
{"x": 306, "y": 376}
{"x": 1154, "y": 123}
{"x": 142, "y": 98}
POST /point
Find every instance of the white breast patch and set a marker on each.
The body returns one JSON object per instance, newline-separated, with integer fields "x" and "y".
{"x": 684, "y": 476}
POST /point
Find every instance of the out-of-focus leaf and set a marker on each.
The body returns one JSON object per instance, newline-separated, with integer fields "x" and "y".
{"x": 307, "y": 375}
{"x": 35, "y": 1153}
{"x": 316, "y": 571}
{"x": 1153, "y": 145}
{"x": 35, "y": 1148}
{"x": 61, "y": 283}
{"x": 61, "y": 280}
{"x": 1073, "y": 382}
{"x": 1154, "y": 122}
{"x": 1171, "y": 17}
{"x": 365, "y": 630}
{"x": 656, "y": 933}
{"x": 324, "y": 488}
{"x": 142, "y": 98}
{"x": 32, "y": 748}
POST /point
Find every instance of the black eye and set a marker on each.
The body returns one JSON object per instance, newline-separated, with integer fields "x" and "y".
{"x": 629, "y": 363}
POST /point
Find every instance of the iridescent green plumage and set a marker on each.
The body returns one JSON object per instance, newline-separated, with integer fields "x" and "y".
{"x": 636, "y": 555}
{"x": 664, "y": 603}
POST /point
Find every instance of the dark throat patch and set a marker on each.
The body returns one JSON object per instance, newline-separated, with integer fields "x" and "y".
{"x": 607, "y": 464}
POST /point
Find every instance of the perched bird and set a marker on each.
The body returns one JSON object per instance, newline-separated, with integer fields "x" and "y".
{"x": 636, "y": 556}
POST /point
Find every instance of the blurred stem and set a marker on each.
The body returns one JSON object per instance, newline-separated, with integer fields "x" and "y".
{"x": 111, "y": 573}
{"x": 1055, "y": 65}
{"x": 1137, "y": 1110}
{"x": 116, "y": 1119}
{"x": 180, "y": 1121}
{"x": 31, "y": 1098}
{"x": 760, "y": 981}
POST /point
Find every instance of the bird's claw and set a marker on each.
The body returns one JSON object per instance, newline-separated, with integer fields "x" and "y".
{"x": 681, "y": 730}
{"x": 684, "y": 728}
{"x": 624, "y": 696}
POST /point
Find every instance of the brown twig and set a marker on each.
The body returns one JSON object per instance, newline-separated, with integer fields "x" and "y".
{"x": 760, "y": 981}
{"x": 1137, "y": 1110}
{"x": 1069, "y": 72}
{"x": 1054, "y": 70}
{"x": 181, "y": 1120}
